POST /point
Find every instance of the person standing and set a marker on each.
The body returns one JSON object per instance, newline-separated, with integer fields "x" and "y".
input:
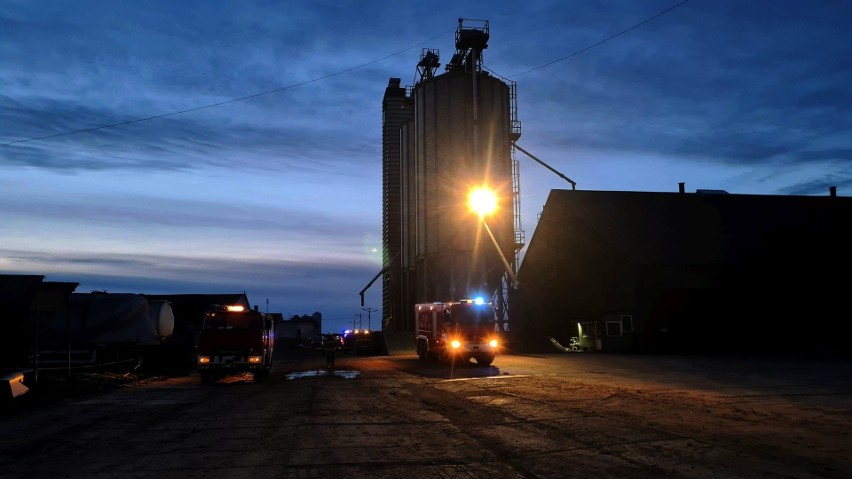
{"x": 330, "y": 346}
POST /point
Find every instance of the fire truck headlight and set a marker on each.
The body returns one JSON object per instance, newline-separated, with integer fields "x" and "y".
{"x": 455, "y": 343}
{"x": 254, "y": 359}
{"x": 203, "y": 359}
{"x": 493, "y": 343}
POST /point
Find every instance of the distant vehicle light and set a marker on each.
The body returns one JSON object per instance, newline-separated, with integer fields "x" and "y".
{"x": 455, "y": 344}
{"x": 254, "y": 359}
{"x": 235, "y": 308}
{"x": 203, "y": 359}
{"x": 366, "y": 331}
{"x": 493, "y": 343}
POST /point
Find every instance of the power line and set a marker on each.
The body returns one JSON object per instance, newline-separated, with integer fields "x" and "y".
{"x": 225, "y": 102}
{"x": 294, "y": 85}
{"x": 602, "y": 41}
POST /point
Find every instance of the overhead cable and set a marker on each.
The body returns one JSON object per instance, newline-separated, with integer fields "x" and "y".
{"x": 600, "y": 42}
{"x": 232, "y": 100}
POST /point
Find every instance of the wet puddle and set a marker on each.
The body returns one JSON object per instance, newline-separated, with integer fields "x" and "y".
{"x": 314, "y": 373}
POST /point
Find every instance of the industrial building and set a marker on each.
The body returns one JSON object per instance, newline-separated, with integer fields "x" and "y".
{"x": 688, "y": 272}
{"x": 29, "y": 304}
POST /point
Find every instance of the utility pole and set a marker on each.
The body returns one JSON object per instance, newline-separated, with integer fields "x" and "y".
{"x": 357, "y": 315}
{"x": 369, "y": 311}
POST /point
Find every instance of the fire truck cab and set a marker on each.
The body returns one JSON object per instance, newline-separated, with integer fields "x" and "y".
{"x": 458, "y": 330}
{"x": 235, "y": 339}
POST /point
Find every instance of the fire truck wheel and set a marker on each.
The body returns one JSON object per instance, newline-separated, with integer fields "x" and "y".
{"x": 260, "y": 375}
{"x": 421, "y": 351}
{"x": 485, "y": 360}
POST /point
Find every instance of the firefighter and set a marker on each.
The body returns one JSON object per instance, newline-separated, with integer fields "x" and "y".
{"x": 330, "y": 346}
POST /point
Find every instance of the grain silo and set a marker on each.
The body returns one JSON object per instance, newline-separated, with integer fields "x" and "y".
{"x": 459, "y": 137}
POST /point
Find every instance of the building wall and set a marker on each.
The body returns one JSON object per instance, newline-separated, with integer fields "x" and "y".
{"x": 695, "y": 274}
{"x": 298, "y": 329}
{"x": 569, "y": 276}
{"x": 396, "y": 110}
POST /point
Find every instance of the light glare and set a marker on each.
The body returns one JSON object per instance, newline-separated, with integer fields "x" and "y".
{"x": 482, "y": 201}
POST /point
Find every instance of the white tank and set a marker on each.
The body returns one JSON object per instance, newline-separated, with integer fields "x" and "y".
{"x": 111, "y": 318}
{"x": 161, "y": 316}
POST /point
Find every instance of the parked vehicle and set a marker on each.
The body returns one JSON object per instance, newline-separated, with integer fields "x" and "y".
{"x": 458, "y": 330}
{"x": 233, "y": 340}
{"x": 364, "y": 343}
{"x": 357, "y": 341}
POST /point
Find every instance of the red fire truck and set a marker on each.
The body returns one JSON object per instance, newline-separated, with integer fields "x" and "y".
{"x": 233, "y": 340}
{"x": 458, "y": 330}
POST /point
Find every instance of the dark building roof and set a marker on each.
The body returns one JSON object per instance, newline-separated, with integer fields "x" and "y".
{"x": 17, "y": 292}
{"x": 23, "y": 293}
{"x": 682, "y": 228}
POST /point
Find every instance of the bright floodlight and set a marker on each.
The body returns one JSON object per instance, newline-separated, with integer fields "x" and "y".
{"x": 482, "y": 201}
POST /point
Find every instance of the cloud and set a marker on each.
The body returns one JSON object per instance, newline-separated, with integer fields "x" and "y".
{"x": 699, "y": 90}
{"x": 291, "y": 286}
{"x": 184, "y": 142}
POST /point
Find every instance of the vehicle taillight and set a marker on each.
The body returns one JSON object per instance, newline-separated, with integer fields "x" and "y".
{"x": 493, "y": 343}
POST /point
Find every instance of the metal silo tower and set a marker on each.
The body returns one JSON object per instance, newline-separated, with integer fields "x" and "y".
{"x": 457, "y": 135}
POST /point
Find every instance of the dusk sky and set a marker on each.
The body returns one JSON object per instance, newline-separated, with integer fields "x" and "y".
{"x": 278, "y": 192}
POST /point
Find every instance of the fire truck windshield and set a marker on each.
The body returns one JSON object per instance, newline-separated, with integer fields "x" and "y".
{"x": 473, "y": 315}
{"x": 230, "y": 321}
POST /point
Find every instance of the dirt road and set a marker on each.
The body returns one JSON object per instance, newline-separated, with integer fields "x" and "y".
{"x": 547, "y": 416}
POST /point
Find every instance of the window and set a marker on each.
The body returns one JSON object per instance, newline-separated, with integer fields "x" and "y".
{"x": 627, "y": 323}
{"x": 613, "y": 328}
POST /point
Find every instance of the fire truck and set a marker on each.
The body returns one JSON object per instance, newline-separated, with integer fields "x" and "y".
{"x": 457, "y": 331}
{"x": 234, "y": 339}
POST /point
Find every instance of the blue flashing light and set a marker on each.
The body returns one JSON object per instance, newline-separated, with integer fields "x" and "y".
{"x": 479, "y": 300}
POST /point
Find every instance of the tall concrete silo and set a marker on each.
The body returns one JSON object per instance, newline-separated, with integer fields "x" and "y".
{"x": 396, "y": 111}
{"x": 459, "y": 138}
